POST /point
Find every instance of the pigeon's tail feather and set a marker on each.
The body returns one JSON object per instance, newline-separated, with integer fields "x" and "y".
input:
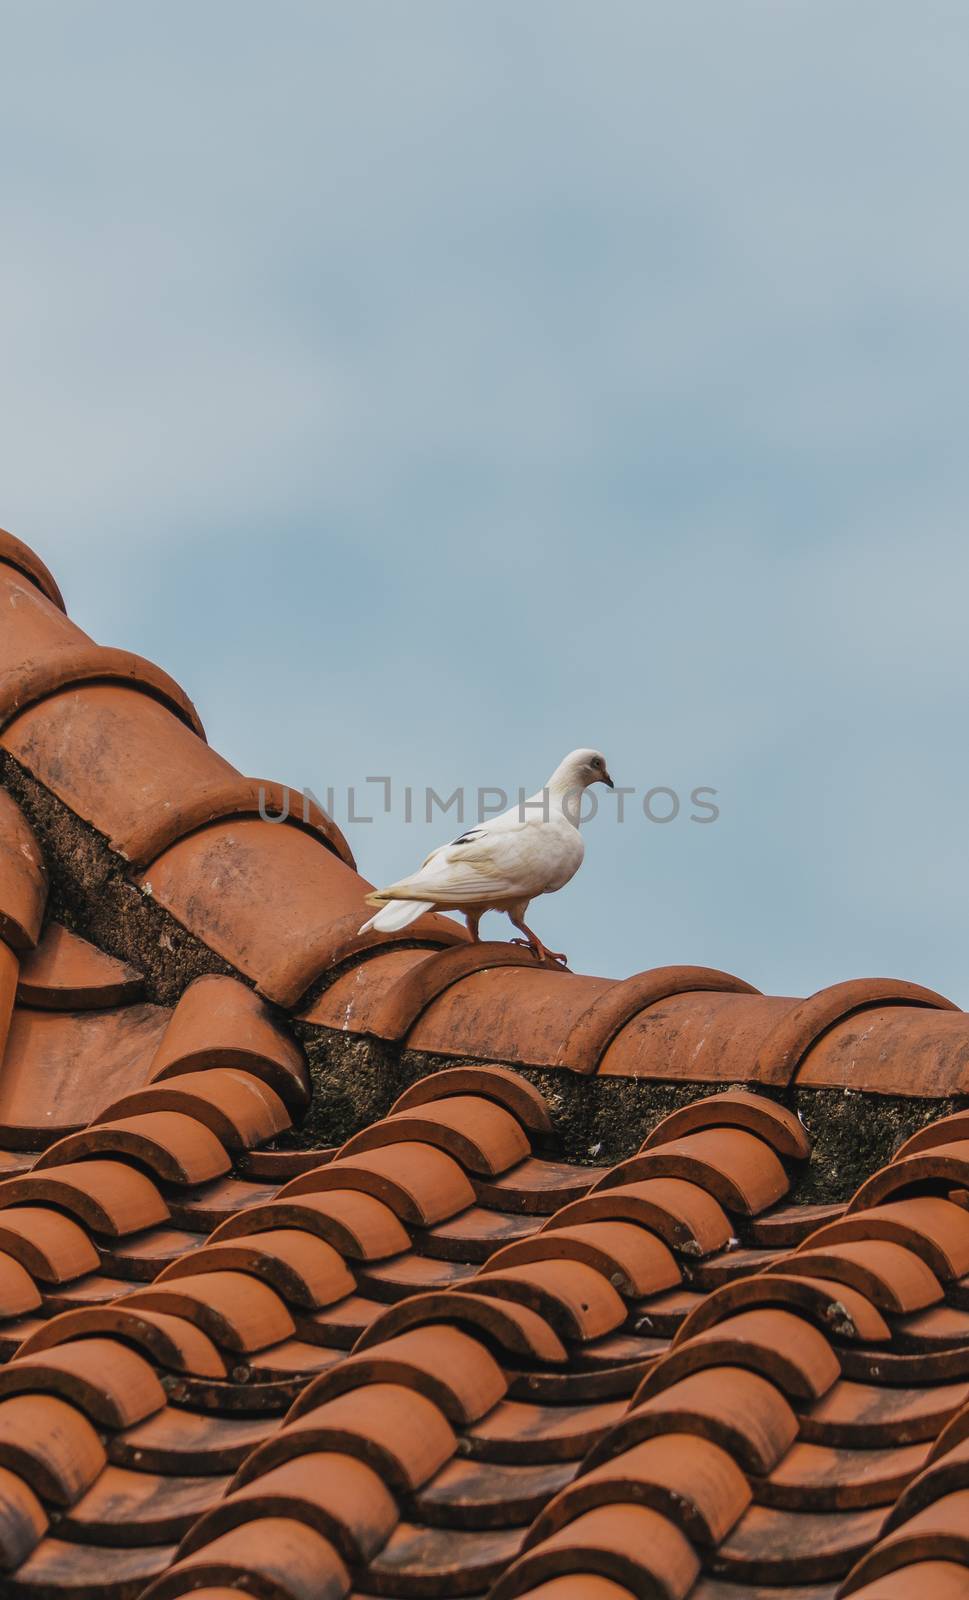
{"x": 397, "y": 914}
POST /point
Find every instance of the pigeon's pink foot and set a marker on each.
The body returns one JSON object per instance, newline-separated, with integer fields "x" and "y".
{"x": 540, "y": 952}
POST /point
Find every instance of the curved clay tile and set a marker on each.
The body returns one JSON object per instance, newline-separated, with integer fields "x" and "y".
{"x": 692, "y": 1481}
{"x": 77, "y": 662}
{"x": 67, "y": 973}
{"x": 834, "y": 1308}
{"x": 50, "y": 1445}
{"x": 506, "y": 1327}
{"x": 53, "y": 1248}
{"x": 19, "y": 1294}
{"x": 733, "y": 1108}
{"x": 117, "y": 757}
{"x": 896, "y": 1049}
{"x": 302, "y": 1268}
{"x": 944, "y": 1166}
{"x": 631, "y": 1258}
{"x": 23, "y": 878}
{"x": 354, "y": 996}
{"x": 24, "y": 1520}
{"x": 680, "y": 1212}
{"x": 238, "y": 1312}
{"x": 591, "y": 1033}
{"x": 293, "y": 1562}
{"x": 113, "y": 1385}
{"x": 32, "y": 628}
{"x": 791, "y": 1041}
{"x": 936, "y": 1535}
{"x": 239, "y": 1108}
{"x": 220, "y": 1022}
{"x": 632, "y": 1545}
{"x": 741, "y": 1172}
{"x": 421, "y": 1184}
{"x": 358, "y": 1225}
{"x": 777, "y": 1345}
{"x": 393, "y": 1013}
{"x": 176, "y": 1148}
{"x": 506, "y": 1088}
{"x": 340, "y": 1497}
{"x": 14, "y": 553}
{"x": 893, "y": 1277}
{"x": 244, "y": 887}
{"x": 106, "y": 1196}
{"x": 484, "y": 1137}
{"x": 516, "y": 1014}
{"x": 945, "y": 1130}
{"x": 59, "y": 1067}
{"x": 172, "y": 1343}
{"x": 575, "y": 1300}
{"x": 930, "y": 1225}
{"x": 441, "y": 1362}
{"x": 701, "y": 1036}
{"x": 405, "y": 1436}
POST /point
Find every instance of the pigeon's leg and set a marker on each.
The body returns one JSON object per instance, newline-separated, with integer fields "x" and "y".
{"x": 535, "y": 944}
{"x": 472, "y": 919}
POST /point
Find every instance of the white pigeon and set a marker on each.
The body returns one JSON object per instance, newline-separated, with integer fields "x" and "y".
{"x": 502, "y": 864}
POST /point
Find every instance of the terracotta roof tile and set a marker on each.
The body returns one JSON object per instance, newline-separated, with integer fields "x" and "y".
{"x": 50, "y": 1445}
{"x": 302, "y": 1268}
{"x": 23, "y": 878}
{"x": 635, "y": 1261}
{"x": 481, "y": 1135}
{"x": 677, "y": 1210}
{"x": 23, "y": 1520}
{"x": 575, "y": 1300}
{"x": 111, "y": 1384}
{"x": 60, "y": 1066}
{"x": 691, "y": 1481}
{"x": 395, "y": 1429}
{"x": 236, "y": 1310}
{"x": 421, "y": 1184}
{"x": 107, "y": 1196}
{"x": 774, "y": 1123}
{"x": 631, "y": 1544}
{"x": 740, "y": 1170}
{"x": 67, "y": 973}
{"x": 243, "y": 886}
{"x": 337, "y": 1495}
{"x": 171, "y": 1342}
{"x": 505, "y": 1088}
{"x": 52, "y": 1247}
{"x": 219, "y": 1022}
{"x": 894, "y": 1278}
{"x": 238, "y": 1108}
{"x": 300, "y": 1563}
{"x": 175, "y": 1147}
{"x": 19, "y": 556}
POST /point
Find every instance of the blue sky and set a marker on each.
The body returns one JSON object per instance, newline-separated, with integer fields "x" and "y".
{"x": 432, "y": 388}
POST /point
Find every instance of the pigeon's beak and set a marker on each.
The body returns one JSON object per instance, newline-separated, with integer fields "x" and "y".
{"x": 606, "y": 779}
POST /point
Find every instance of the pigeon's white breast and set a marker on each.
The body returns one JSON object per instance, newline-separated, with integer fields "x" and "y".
{"x": 558, "y": 852}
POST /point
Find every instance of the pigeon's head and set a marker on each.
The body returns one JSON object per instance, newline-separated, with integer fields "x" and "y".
{"x": 583, "y": 767}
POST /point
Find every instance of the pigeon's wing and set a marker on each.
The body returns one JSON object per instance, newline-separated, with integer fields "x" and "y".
{"x": 484, "y": 864}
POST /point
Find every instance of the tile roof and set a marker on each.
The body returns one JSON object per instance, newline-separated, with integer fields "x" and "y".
{"x": 303, "y": 1289}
